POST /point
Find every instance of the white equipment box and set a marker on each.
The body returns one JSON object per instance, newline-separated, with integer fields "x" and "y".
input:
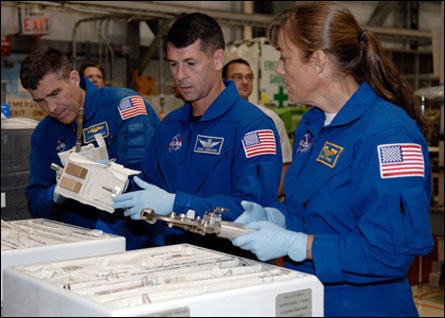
{"x": 41, "y": 240}
{"x": 177, "y": 280}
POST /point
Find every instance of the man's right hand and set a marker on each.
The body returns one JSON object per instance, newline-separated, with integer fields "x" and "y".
{"x": 56, "y": 197}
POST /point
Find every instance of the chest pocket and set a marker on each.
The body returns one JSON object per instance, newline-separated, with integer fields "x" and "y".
{"x": 319, "y": 176}
{"x": 211, "y": 172}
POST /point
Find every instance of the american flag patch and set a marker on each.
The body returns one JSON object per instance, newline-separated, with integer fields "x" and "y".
{"x": 259, "y": 142}
{"x": 401, "y": 160}
{"x": 131, "y": 107}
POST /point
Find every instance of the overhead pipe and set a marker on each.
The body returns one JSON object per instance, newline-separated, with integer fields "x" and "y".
{"x": 154, "y": 45}
{"x": 103, "y": 35}
{"x": 110, "y": 49}
{"x": 247, "y": 30}
{"x": 100, "y": 50}
{"x": 147, "y": 10}
{"x": 74, "y": 34}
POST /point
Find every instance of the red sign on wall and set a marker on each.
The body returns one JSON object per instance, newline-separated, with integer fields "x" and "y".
{"x": 6, "y": 45}
{"x": 36, "y": 25}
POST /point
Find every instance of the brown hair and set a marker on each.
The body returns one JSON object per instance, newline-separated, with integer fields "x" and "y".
{"x": 41, "y": 62}
{"x": 331, "y": 27}
{"x": 91, "y": 64}
{"x": 225, "y": 69}
{"x": 190, "y": 27}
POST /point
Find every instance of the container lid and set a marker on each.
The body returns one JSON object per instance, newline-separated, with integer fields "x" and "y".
{"x": 19, "y": 123}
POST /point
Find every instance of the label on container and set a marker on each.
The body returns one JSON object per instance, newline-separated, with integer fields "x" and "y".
{"x": 294, "y": 304}
{"x": 176, "y": 312}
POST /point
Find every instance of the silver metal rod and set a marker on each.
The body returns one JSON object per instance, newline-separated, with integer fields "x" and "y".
{"x": 79, "y": 128}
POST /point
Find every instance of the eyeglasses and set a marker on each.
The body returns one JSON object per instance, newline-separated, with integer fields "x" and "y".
{"x": 239, "y": 77}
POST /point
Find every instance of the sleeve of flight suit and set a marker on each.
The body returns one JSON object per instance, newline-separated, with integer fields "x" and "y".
{"x": 392, "y": 213}
{"x": 133, "y": 137}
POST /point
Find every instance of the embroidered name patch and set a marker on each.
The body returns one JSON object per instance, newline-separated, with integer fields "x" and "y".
{"x": 209, "y": 144}
{"x": 401, "y": 160}
{"x": 132, "y": 106}
{"x": 329, "y": 154}
{"x": 259, "y": 142}
{"x": 88, "y": 133}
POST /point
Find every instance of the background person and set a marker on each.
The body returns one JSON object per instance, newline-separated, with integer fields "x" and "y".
{"x": 123, "y": 118}
{"x": 239, "y": 71}
{"x": 216, "y": 150}
{"x": 358, "y": 189}
{"x": 94, "y": 72}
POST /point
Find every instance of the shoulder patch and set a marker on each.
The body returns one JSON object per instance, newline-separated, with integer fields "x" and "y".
{"x": 132, "y": 106}
{"x": 259, "y": 142}
{"x": 401, "y": 160}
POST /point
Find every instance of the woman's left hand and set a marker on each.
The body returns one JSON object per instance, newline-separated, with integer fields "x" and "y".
{"x": 271, "y": 241}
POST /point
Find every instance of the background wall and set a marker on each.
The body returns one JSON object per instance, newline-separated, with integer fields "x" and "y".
{"x": 96, "y": 39}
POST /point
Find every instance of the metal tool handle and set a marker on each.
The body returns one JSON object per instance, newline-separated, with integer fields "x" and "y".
{"x": 230, "y": 230}
{"x": 196, "y": 225}
{"x": 211, "y": 223}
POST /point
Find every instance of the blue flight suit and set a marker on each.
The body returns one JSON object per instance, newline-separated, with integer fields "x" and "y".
{"x": 368, "y": 222}
{"x": 126, "y": 141}
{"x": 206, "y": 165}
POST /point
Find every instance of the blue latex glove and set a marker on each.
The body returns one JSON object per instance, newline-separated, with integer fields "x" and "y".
{"x": 271, "y": 241}
{"x": 253, "y": 212}
{"x": 150, "y": 196}
{"x": 55, "y": 197}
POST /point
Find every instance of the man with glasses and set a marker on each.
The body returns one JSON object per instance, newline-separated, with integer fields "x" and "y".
{"x": 240, "y": 72}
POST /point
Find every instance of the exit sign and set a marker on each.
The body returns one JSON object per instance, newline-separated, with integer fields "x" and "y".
{"x": 36, "y": 25}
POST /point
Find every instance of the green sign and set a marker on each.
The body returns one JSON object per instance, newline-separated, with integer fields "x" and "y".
{"x": 280, "y": 97}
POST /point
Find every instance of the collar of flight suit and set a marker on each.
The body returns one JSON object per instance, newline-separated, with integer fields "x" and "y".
{"x": 359, "y": 103}
{"x": 220, "y": 105}
{"x": 90, "y": 105}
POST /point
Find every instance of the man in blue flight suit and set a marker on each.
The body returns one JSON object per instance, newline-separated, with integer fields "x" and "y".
{"x": 216, "y": 150}
{"x": 123, "y": 118}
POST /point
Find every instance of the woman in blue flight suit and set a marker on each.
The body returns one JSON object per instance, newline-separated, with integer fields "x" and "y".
{"x": 357, "y": 192}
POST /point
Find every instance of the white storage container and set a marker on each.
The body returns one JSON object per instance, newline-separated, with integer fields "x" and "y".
{"x": 176, "y": 280}
{"x": 41, "y": 240}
